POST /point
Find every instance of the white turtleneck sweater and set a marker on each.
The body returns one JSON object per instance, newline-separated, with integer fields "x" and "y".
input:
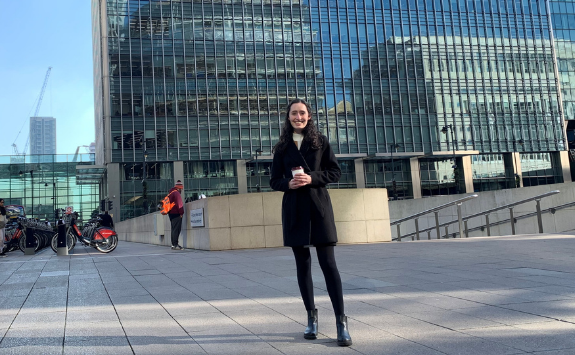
{"x": 298, "y": 139}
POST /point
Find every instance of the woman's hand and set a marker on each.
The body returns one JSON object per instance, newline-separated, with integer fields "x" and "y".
{"x": 299, "y": 180}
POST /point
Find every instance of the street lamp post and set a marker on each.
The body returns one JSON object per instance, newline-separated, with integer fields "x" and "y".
{"x": 258, "y": 177}
{"x": 144, "y": 183}
{"x": 454, "y": 166}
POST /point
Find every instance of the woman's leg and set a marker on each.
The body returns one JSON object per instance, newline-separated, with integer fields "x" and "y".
{"x": 304, "y": 280}
{"x": 326, "y": 256}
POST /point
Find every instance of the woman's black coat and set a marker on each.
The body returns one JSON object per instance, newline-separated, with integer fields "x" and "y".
{"x": 307, "y": 214}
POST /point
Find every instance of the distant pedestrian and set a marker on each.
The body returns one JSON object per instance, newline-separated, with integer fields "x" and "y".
{"x": 303, "y": 165}
{"x": 106, "y": 220}
{"x": 3, "y": 220}
{"x": 176, "y": 213}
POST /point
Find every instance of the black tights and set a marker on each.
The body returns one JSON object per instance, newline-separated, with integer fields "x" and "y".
{"x": 326, "y": 257}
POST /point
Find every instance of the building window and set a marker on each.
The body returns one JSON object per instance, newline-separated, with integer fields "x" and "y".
{"x": 210, "y": 178}
{"x": 491, "y": 173}
{"x": 383, "y": 173}
{"x": 438, "y": 177}
{"x": 347, "y": 179}
{"x": 540, "y": 169}
{"x": 258, "y": 174}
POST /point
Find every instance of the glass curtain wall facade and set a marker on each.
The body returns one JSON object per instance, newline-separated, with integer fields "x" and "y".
{"x": 396, "y": 72}
{"x": 563, "y": 15}
{"x": 539, "y": 169}
{"x": 491, "y": 173}
{"x": 143, "y": 186}
{"x": 382, "y": 174}
{"x": 207, "y": 81}
{"x": 43, "y": 183}
{"x": 204, "y": 80}
{"x": 210, "y": 178}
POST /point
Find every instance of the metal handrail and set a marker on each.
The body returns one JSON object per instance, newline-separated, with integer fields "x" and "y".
{"x": 435, "y": 210}
{"x": 440, "y": 207}
{"x": 512, "y": 219}
{"x": 510, "y": 205}
{"x": 551, "y": 210}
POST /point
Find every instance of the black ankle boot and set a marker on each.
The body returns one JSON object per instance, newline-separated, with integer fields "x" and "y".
{"x": 343, "y": 337}
{"x": 311, "y": 329}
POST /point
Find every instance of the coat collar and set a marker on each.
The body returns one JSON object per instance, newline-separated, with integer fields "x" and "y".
{"x": 298, "y": 155}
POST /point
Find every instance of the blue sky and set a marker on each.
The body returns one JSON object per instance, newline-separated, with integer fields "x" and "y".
{"x": 37, "y": 34}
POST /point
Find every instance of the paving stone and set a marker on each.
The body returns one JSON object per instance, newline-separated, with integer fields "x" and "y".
{"x": 149, "y": 300}
{"x": 47, "y": 320}
{"x": 526, "y": 340}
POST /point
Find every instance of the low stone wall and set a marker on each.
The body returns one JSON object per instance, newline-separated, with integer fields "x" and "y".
{"x": 254, "y": 221}
{"x": 561, "y": 221}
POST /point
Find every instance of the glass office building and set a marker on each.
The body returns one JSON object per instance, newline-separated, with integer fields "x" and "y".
{"x": 563, "y": 16}
{"x": 422, "y": 97}
{"x": 44, "y": 183}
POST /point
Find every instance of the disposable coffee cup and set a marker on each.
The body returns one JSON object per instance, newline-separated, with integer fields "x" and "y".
{"x": 296, "y": 170}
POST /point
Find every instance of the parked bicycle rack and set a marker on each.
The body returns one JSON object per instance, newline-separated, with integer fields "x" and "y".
{"x": 27, "y": 233}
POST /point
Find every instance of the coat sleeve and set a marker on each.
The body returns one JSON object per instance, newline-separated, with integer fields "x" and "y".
{"x": 278, "y": 181}
{"x": 180, "y": 204}
{"x": 330, "y": 171}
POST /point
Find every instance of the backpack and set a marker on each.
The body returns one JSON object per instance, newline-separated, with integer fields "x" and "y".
{"x": 166, "y": 204}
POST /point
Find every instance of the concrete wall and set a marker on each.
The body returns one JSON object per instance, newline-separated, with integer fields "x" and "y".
{"x": 254, "y": 221}
{"x": 561, "y": 221}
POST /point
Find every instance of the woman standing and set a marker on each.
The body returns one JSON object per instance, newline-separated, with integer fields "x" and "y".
{"x": 3, "y": 220}
{"x": 303, "y": 165}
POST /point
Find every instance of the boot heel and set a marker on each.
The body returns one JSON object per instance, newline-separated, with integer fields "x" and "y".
{"x": 343, "y": 337}
{"x": 311, "y": 329}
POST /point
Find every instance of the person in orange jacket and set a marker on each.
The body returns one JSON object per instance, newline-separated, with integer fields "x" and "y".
{"x": 176, "y": 214}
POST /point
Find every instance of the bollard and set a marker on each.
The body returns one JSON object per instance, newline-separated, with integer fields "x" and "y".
{"x": 62, "y": 240}
{"x": 437, "y": 225}
{"x": 512, "y": 219}
{"x": 460, "y": 220}
{"x": 30, "y": 239}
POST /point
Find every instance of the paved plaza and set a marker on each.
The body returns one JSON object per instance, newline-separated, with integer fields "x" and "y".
{"x": 499, "y": 295}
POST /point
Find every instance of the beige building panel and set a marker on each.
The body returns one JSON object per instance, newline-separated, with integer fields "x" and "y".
{"x": 220, "y": 239}
{"x": 272, "y": 203}
{"x": 246, "y": 210}
{"x": 348, "y": 204}
{"x": 248, "y": 237}
{"x": 351, "y": 232}
{"x": 274, "y": 236}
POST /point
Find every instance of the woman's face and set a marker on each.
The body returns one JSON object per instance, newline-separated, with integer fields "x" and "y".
{"x": 298, "y": 117}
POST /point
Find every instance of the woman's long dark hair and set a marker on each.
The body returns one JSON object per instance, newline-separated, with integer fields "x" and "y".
{"x": 310, "y": 132}
{"x": 2, "y": 209}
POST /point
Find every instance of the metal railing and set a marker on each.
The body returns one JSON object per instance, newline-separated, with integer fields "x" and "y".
{"x": 434, "y": 210}
{"x": 512, "y": 219}
{"x": 551, "y": 210}
{"x": 463, "y": 228}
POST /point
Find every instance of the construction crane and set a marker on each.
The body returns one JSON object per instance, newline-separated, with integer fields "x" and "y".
{"x": 23, "y": 152}
{"x": 78, "y": 150}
